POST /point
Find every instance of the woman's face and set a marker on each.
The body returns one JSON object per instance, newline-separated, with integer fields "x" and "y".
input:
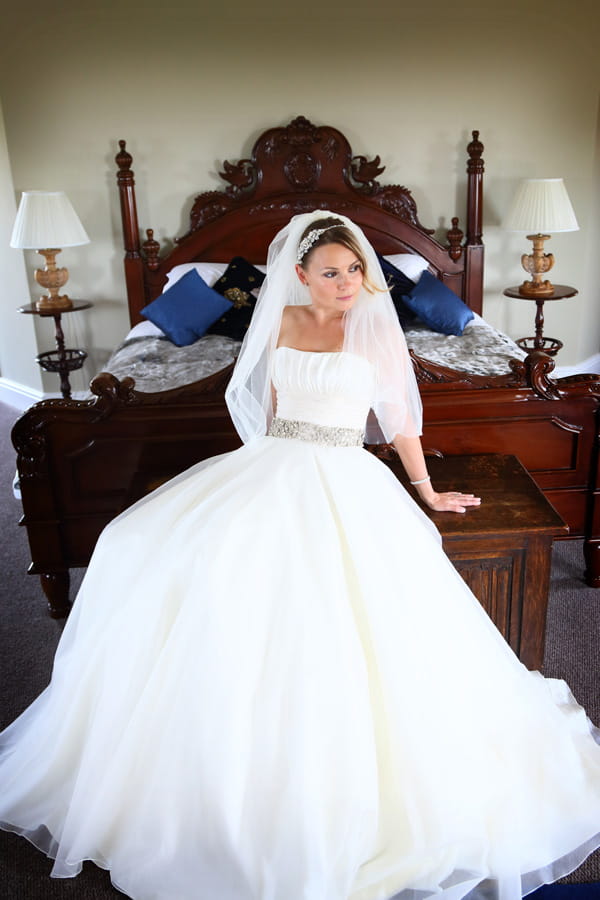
{"x": 334, "y": 277}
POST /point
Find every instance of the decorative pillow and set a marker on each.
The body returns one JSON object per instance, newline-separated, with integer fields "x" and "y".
{"x": 399, "y": 286}
{"x": 239, "y": 284}
{"x": 186, "y": 310}
{"x": 437, "y": 306}
{"x": 410, "y": 264}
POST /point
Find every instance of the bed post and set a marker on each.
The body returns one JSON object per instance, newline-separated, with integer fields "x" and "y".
{"x": 474, "y": 250}
{"x": 591, "y": 543}
{"x": 133, "y": 262}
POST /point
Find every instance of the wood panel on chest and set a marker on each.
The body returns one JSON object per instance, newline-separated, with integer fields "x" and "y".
{"x": 502, "y": 549}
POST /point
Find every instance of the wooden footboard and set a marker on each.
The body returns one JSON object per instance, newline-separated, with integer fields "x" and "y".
{"x": 82, "y": 463}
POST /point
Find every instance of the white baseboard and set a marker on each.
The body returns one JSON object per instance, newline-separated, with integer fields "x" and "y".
{"x": 18, "y": 395}
{"x": 22, "y": 397}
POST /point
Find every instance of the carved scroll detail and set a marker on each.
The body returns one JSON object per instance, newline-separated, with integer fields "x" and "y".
{"x": 30, "y": 436}
{"x": 399, "y": 201}
{"x": 532, "y": 372}
{"x": 431, "y": 373}
{"x": 536, "y": 369}
{"x": 110, "y": 393}
{"x": 207, "y": 207}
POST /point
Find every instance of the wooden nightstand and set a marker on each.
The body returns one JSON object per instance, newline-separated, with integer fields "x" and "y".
{"x": 62, "y": 361}
{"x": 549, "y": 345}
{"x": 503, "y": 548}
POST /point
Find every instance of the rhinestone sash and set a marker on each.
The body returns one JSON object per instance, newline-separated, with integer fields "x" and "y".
{"x": 326, "y": 435}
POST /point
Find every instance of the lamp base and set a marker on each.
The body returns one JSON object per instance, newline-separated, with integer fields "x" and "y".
{"x": 536, "y": 289}
{"x": 537, "y": 264}
{"x": 52, "y": 278}
{"x": 53, "y": 304}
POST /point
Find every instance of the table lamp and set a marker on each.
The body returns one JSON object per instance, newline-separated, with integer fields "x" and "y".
{"x": 540, "y": 207}
{"x": 46, "y": 219}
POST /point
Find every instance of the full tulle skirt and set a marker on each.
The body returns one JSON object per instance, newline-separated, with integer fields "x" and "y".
{"x": 273, "y": 685}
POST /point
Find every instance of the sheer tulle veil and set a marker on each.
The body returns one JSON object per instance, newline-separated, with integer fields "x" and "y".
{"x": 371, "y": 330}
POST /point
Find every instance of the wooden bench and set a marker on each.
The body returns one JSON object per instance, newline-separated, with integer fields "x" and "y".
{"x": 503, "y": 548}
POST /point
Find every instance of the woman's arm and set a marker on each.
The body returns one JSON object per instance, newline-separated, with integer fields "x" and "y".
{"x": 411, "y": 454}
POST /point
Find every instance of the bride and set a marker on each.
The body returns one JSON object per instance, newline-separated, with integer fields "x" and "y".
{"x": 273, "y": 684}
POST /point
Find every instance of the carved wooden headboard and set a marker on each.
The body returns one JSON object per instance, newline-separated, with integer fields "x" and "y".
{"x": 295, "y": 169}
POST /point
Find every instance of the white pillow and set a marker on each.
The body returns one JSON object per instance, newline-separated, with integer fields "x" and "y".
{"x": 410, "y": 264}
{"x": 208, "y": 272}
{"x": 144, "y": 329}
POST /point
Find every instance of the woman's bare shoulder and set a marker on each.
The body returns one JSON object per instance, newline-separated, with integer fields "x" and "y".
{"x": 293, "y": 313}
{"x": 291, "y": 322}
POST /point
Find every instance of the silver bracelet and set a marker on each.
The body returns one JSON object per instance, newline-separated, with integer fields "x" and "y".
{"x": 422, "y": 480}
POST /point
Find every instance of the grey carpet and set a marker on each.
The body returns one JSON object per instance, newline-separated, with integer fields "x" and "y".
{"x": 29, "y": 636}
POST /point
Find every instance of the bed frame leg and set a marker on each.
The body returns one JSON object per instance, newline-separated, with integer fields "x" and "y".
{"x": 591, "y": 553}
{"x": 56, "y": 588}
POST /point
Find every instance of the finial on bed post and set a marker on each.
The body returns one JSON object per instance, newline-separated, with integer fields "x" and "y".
{"x": 151, "y": 250}
{"x": 134, "y": 266}
{"x": 455, "y": 236}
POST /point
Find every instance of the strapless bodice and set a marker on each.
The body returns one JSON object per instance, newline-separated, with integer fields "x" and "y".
{"x": 325, "y": 388}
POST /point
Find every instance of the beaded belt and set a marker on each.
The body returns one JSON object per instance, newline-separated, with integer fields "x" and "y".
{"x": 327, "y": 435}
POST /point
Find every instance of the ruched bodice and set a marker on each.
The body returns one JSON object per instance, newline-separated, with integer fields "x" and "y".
{"x": 334, "y": 389}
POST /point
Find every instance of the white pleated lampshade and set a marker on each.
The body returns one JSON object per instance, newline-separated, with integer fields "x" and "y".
{"x": 47, "y": 219}
{"x": 541, "y": 206}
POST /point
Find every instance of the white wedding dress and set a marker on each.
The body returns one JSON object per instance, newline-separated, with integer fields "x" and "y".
{"x": 275, "y": 686}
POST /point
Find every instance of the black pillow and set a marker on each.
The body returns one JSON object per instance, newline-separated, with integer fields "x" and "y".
{"x": 400, "y": 285}
{"x": 236, "y": 284}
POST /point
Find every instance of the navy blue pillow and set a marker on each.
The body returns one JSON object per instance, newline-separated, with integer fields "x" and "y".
{"x": 399, "y": 285}
{"x": 437, "y": 306}
{"x": 237, "y": 283}
{"x": 187, "y": 309}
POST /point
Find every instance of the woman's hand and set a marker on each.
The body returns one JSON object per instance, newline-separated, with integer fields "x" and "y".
{"x": 453, "y": 501}
{"x": 411, "y": 453}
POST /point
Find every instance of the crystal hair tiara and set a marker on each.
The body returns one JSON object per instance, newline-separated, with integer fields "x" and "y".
{"x": 312, "y": 236}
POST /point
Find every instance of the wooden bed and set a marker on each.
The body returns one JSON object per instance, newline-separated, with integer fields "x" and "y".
{"x": 82, "y": 462}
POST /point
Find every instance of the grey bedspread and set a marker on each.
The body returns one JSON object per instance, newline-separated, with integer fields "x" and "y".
{"x": 157, "y": 365}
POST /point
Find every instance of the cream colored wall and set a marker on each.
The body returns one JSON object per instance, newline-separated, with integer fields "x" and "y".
{"x": 189, "y": 88}
{"x": 18, "y": 345}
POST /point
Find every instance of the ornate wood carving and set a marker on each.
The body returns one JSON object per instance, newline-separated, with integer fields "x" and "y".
{"x": 240, "y": 175}
{"x": 309, "y": 158}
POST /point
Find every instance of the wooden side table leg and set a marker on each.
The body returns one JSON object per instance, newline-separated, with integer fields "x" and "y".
{"x": 539, "y": 324}
{"x": 63, "y": 367}
{"x": 56, "y": 588}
